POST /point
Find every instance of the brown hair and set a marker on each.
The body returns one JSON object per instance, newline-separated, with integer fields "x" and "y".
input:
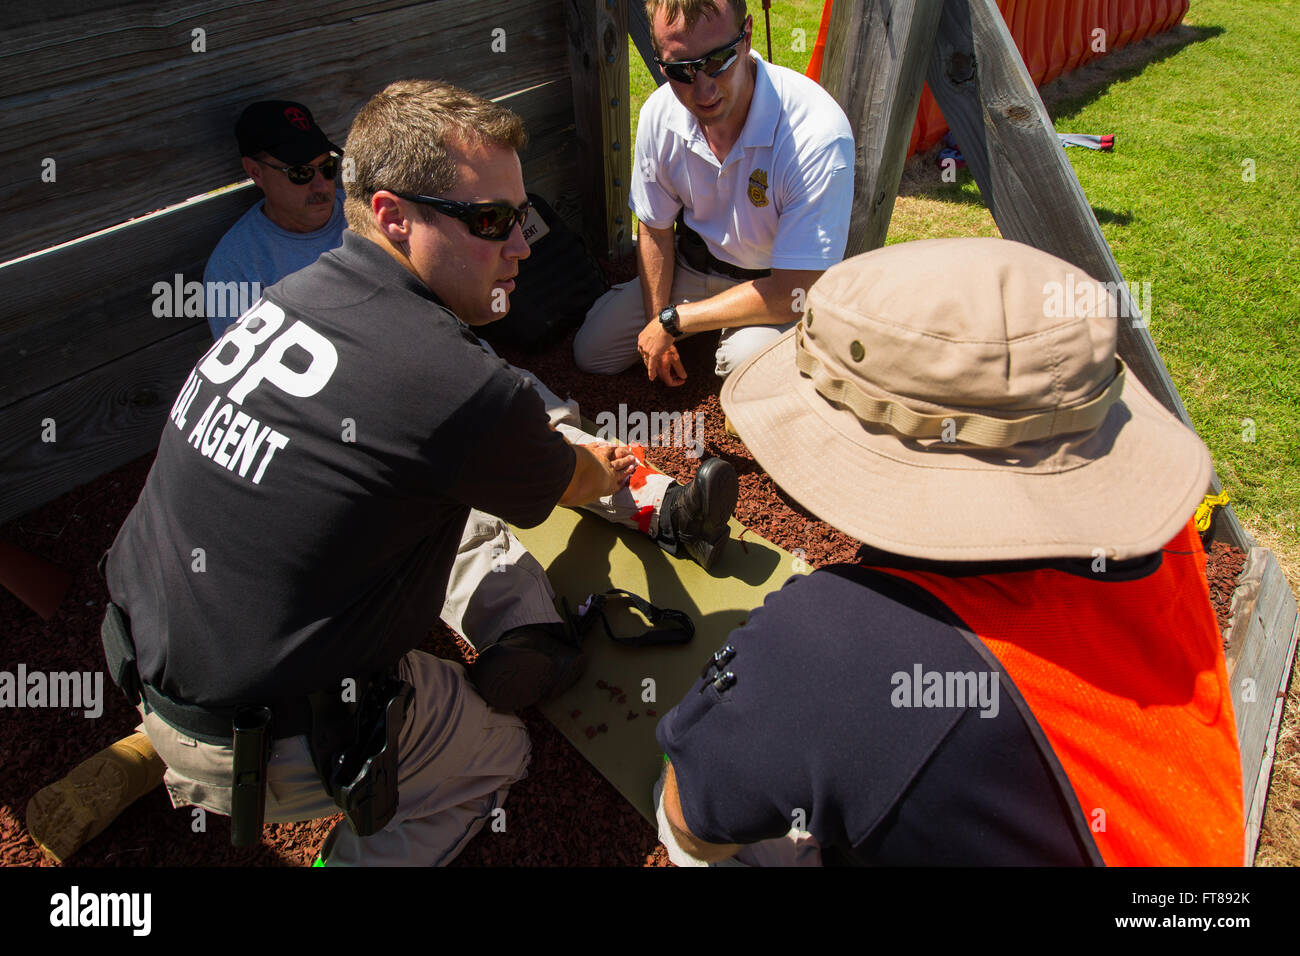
{"x": 692, "y": 11}
{"x": 399, "y": 141}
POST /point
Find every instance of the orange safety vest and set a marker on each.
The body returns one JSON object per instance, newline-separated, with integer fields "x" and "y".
{"x": 1128, "y": 682}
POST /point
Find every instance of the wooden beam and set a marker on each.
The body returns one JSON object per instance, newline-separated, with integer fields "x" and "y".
{"x": 998, "y": 119}
{"x": 598, "y": 52}
{"x": 112, "y": 123}
{"x": 638, "y": 26}
{"x": 876, "y": 56}
{"x": 1261, "y": 649}
{"x": 100, "y": 421}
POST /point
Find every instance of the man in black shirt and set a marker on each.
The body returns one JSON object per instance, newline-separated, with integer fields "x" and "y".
{"x": 298, "y": 528}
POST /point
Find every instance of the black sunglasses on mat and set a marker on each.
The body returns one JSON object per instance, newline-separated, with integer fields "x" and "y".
{"x": 713, "y": 63}
{"x": 487, "y": 220}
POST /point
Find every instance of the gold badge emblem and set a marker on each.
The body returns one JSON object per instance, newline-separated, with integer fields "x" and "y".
{"x": 758, "y": 187}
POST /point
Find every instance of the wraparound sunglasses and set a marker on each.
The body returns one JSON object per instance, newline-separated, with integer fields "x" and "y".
{"x": 713, "y": 63}
{"x": 487, "y": 220}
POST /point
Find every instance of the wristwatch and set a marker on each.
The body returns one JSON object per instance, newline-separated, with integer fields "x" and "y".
{"x": 668, "y": 319}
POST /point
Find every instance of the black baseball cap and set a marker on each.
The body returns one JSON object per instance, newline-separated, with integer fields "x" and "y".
{"x": 284, "y": 129}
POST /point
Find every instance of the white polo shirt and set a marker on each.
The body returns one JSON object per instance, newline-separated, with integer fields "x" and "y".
{"x": 783, "y": 197}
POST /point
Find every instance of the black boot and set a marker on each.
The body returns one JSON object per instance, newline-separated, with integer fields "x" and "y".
{"x": 529, "y": 665}
{"x": 693, "y": 517}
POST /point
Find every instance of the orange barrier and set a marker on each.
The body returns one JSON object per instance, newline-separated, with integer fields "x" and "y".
{"x": 1053, "y": 37}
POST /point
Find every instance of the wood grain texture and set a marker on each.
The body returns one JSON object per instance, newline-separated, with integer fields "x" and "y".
{"x": 88, "y": 304}
{"x": 598, "y": 59}
{"x": 1263, "y": 638}
{"x": 877, "y": 52}
{"x": 997, "y": 117}
{"x": 101, "y": 420}
{"x": 141, "y": 135}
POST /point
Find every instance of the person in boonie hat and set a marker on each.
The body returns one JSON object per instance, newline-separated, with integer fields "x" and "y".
{"x": 1023, "y": 666}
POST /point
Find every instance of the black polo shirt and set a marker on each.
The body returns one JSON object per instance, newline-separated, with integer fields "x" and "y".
{"x": 313, "y": 481}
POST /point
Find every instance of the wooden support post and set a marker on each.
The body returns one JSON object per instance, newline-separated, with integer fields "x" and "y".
{"x": 1261, "y": 650}
{"x": 638, "y": 25}
{"x": 598, "y": 51}
{"x": 874, "y": 66}
{"x": 999, "y": 121}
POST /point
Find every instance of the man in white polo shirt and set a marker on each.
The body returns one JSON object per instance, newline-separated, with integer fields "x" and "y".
{"x": 754, "y": 164}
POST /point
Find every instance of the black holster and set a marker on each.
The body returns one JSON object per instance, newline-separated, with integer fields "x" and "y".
{"x": 354, "y": 745}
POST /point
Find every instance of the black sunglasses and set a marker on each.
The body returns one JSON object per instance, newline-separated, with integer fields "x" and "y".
{"x": 713, "y": 63}
{"x": 487, "y": 220}
{"x": 304, "y": 173}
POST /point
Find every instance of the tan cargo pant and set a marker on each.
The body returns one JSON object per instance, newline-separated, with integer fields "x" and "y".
{"x": 457, "y": 760}
{"x": 606, "y": 343}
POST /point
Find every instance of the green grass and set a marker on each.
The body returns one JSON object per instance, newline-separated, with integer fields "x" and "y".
{"x": 1220, "y": 253}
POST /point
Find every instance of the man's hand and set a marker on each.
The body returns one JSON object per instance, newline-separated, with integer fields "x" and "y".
{"x": 598, "y": 471}
{"x": 660, "y": 354}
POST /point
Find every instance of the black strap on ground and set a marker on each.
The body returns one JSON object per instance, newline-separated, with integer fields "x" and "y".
{"x": 667, "y": 625}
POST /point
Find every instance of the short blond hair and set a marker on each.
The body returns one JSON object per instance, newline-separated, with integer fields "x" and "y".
{"x": 692, "y": 11}
{"x": 399, "y": 141}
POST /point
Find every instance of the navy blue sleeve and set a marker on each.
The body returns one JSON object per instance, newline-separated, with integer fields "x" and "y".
{"x": 807, "y": 734}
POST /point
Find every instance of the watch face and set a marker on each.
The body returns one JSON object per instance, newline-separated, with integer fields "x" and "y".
{"x": 668, "y": 319}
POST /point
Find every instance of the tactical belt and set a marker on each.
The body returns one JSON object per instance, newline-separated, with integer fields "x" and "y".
{"x": 697, "y": 255}
{"x": 354, "y": 746}
{"x": 212, "y": 725}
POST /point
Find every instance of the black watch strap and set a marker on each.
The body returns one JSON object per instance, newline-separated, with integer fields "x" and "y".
{"x": 668, "y": 319}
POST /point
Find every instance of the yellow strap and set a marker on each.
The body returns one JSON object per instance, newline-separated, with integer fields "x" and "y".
{"x": 1205, "y": 510}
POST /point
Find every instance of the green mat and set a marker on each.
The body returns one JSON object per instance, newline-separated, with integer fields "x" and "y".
{"x": 584, "y": 554}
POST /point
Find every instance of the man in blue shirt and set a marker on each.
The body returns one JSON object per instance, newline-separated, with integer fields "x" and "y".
{"x": 300, "y": 216}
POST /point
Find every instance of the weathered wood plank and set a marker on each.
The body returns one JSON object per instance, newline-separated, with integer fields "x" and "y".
{"x": 101, "y": 420}
{"x": 1261, "y": 645}
{"x": 877, "y": 52}
{"x": 598, "y": 59}
{"x": 1256, "y": 801}
{"x": 89, "y": 42}
{"x": 154, "y": 135}
{"x": 981, "y": 84}
{"x": 89, "y": 303}
{"x": 82, "y": 305}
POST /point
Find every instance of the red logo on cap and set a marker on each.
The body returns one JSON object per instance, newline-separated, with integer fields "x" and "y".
{"x": 297, "y": 117}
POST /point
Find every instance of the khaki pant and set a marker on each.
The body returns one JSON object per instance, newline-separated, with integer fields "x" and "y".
{"x": 495, "y": 583}
{"x": 606, "y": 343}
{"x": 457, "y": 759}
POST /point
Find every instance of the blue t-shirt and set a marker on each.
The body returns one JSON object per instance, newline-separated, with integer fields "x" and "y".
{"x": 256, "y": 253}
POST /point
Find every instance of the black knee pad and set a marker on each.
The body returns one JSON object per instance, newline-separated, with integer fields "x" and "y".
{"x": 528, "y": 665}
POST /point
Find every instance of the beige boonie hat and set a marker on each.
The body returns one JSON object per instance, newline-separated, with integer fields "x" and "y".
{"x": 960, "y": 400}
